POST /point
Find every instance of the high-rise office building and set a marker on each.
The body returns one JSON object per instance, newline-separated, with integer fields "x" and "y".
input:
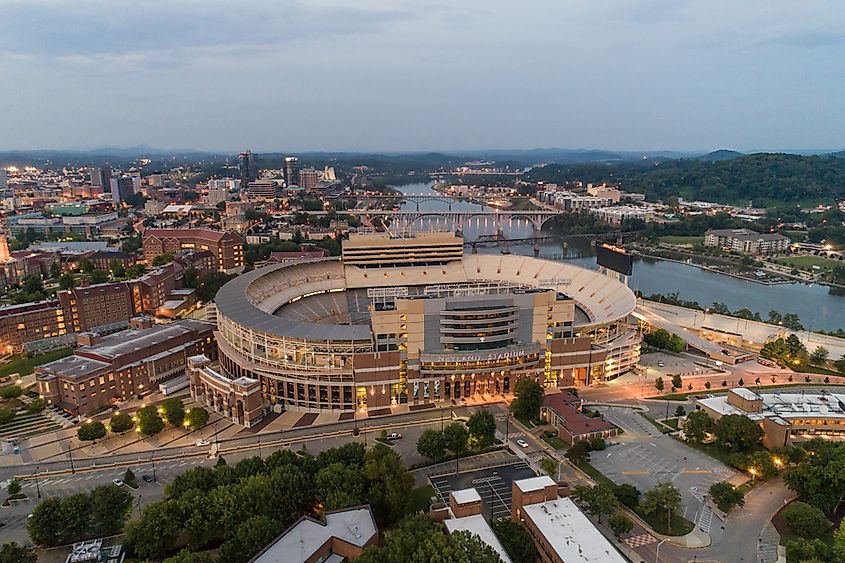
{"x": 308, "y": 178}
{"x": 249, "y": 169}
{"x": 291, "y": 171}
{"x": 4, "y": 179}
{"x": 121, "y": 188}
{"x": 105, "y": 177}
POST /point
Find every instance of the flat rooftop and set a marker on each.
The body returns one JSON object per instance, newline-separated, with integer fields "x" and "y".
{"x": 465, "y": 496}
{"x": 782, "y": 405}
{"x": 476, "y": 524}
{"x": 534, "y": 483}
{"x": 570, "y": 533}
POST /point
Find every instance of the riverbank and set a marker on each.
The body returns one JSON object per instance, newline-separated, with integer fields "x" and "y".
{"x": 751, "y": 278}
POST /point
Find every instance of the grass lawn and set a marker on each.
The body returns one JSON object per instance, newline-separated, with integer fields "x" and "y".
{"x": 420, "y": 498}
{"x": 680, "y": 526}
{"x": 673, "y": 422}
{"x": 799, "y": 380}
{"x": 786, "y": 533}
{"x": 808, "y": 262}
{"x": 670, "y": 239}
{"x": 656, "y": 424}
{"x": 596, "y": 475}
{"x": 555, "y": 442}
{"x": 25, "y": 365}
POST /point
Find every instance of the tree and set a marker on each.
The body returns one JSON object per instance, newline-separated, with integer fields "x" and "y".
{"x": 839, "y": 542}
{"x": 10, "y": 392}
{"x": 597, "y": 500}
{"x": 456, "y": 435}
{"x": 251, "y": 537}
{"x": 707, "y": 385}
{"x": 697, "y": 426}
{"x": 121, "y": 422}
{"x": 482, "y": 428}
{"x": 57, "y": 521}
{"x": 419, "y": 539}
{"x": 173, "y": 410}
{"x": 680, "y": 411}
{"x": 86, "y": 265}
{"x": 154, "y": 534}
{"x": 726, "y": 496}
{"x": 117, "y": 269}
{"x": 819, "y": 355}
{"x": 129, "y": 478}
{"x": 528, "y": 397}
{"x": 149, "y": 420}
{"x": 163, "y": 259}
{"x": 110, "y": 509}
{"x": 807, "y": 551}
{"x": 516, "y": 541}
{"x": 11, "y": 552}
{"x": 35, "y": 406}
{"x": 14, "y": 487}
{"x": 135, "y": 271}
{"x": 549, "y": 466}
{"x": 577, "y": 452}
{"x": 677, "y": 382}
{"x": 98, "y": 276}
{"x": 389, "y": 483}
{"x": 658, "y": 383}
{"x": 432, "y": 444}
{"x": 840, "y": 364}
{"x": 627, "y": 494}
{"x": 340, "y": 486}
{"x": 620, "y": 524}
{"x": 67, "y": 281}
{"x": 7, "y": 415}
{"x": 737, "y": 432}
{"x": 90, "y": 431}
{"x": 197, "y": 417}
{"x": 805, "y": 520}
{"x": 663, "y": 497}
{"x": 211, "y": 283}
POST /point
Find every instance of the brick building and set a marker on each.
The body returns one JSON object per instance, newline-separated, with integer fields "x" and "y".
{"x": 124, "y": 364}
{"x": 226, "y": 246}
{"x": 97, "y": 305}
{"x": 28, "y": 322}
{"x": 562, "y": 410}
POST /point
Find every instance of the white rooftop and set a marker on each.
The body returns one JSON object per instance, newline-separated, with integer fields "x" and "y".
{"x": 746, "y": 394}
{"x": 476, "y": 524}
{"x": 465, "y": 496}
{"x": 355, "y": 526}
{"x": 782, "y": 405}
{"x": 570, "y": 533}
{"x": 534, "y": 483}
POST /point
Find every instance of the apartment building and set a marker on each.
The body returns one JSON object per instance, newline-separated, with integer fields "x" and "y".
{"x": 746, "y": 241}
{"x": 226, "y": 246}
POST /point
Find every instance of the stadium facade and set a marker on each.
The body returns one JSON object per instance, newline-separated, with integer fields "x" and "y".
{"x": 412, "y": 320}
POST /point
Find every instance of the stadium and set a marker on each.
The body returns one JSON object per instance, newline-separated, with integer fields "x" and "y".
{"x": 411, "y": 320}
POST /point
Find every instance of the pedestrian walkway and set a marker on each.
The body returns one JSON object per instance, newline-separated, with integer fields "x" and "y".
{"x": 640, "y": 540}
{"x": 706, "y": 519}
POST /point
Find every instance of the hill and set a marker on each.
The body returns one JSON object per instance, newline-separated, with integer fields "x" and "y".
{"x": 721, "y": 154}
{"x": 764, "y": 178}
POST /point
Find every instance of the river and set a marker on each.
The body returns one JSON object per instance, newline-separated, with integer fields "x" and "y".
{"x": 816, "y": 308}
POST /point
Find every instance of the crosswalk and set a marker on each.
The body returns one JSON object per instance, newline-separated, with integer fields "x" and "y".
{"x": 706, "y": 519}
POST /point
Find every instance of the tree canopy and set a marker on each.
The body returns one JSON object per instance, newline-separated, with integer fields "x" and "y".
{"x": 528, "y": 397}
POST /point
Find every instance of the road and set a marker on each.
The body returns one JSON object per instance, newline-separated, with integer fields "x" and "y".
{"x": 743, "y": 528}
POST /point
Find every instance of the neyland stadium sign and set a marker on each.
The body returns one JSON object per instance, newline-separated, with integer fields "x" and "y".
{"x": 470, "y": 358}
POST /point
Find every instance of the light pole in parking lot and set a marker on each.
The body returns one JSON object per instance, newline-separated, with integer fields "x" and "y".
{"x": 153, "y": 461}
{"x": 37, "y": 488}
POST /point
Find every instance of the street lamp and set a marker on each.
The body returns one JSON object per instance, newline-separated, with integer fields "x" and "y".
{"x": 657, "y": 554}
{"x": 37, "y": 488}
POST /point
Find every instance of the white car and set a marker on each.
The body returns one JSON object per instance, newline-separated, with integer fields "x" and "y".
{"x": 394, "y": 436}
{"x": 522, "y": 443}
{"x": 118, "y": 482}
{"x": 203, "y": 442}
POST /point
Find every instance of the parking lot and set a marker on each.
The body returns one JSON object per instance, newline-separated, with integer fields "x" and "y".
{"x": 643, "y": 457}
{"x": 493, "y": 484}
{"x": 662, "y": 364}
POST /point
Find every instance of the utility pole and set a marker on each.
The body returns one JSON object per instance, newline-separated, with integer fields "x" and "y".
{"x": 70, "y": 452}
{"x": 37, "y": 488}
{"x": 152, "y": 460}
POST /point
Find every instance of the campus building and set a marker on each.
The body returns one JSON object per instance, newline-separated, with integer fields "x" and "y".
{"x": 413, "y": 320}
{"x": 563, "y": 411}
{"x": 785, "y": 417}
{"x": 226, "y": 246}
{"x": 106, "y": 369}
{"x": 339, "y": 536}
{"x": 561, "y": 532}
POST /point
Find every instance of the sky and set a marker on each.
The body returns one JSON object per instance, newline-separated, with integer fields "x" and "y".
{"x": 395, "y": 75}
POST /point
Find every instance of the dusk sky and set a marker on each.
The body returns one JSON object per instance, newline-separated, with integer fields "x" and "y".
{"x": 369, "y": 75}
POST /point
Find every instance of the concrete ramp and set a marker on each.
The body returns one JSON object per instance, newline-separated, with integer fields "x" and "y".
{"x": 713, "y": 350}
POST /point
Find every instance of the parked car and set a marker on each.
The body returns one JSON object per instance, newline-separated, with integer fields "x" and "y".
{"x": 661, "y": 363}
{"x": 394, "y": 436}
{"x": 147, "y": 478}
{"x": 118, "y": 482}
{"x": 522, "y": 443}
{"x": 203, "y": 442}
